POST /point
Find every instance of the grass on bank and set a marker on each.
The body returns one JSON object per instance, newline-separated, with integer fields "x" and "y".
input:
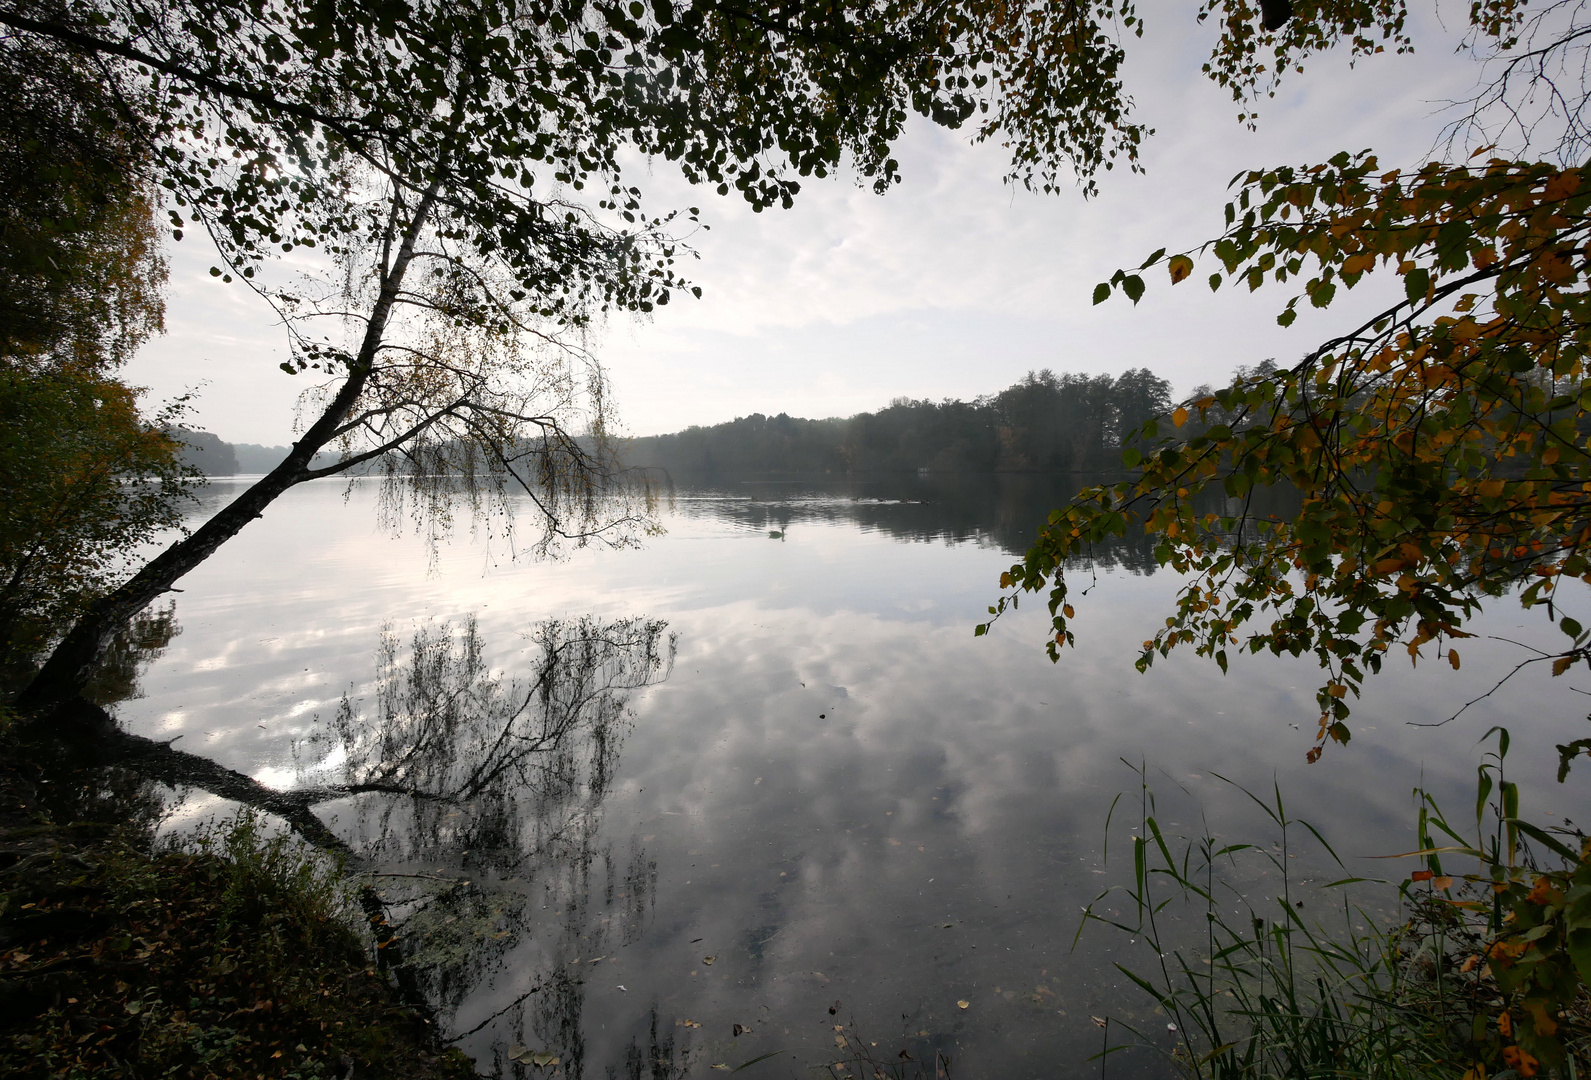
{"x": 1482, "y": 976}
{"x": 233, "y": 958}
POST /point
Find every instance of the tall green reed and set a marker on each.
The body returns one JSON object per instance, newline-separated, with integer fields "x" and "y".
{"x": 1263, "y": 991}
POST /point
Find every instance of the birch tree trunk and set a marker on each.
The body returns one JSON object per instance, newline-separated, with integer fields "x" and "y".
{"x": 73, "y": 662}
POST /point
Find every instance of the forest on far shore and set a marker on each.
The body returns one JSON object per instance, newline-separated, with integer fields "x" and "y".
{"x": 1044, "y": 422}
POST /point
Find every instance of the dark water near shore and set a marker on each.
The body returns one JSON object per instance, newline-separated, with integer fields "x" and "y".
{"x": 813, "y": 774}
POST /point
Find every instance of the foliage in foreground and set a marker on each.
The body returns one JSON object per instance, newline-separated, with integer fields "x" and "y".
{"x": 463, "y": 166}
{"x": 234, "y": 958}
{"x": 1439, "y": 450}
{"x": 86, "y": 477}
{"x": 1483, "y": 975}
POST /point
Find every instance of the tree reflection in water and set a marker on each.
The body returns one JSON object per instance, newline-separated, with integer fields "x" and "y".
{"x": 475, "y": 804}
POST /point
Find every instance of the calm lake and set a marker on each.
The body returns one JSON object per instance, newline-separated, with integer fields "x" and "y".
{"x": 812, "y": 797}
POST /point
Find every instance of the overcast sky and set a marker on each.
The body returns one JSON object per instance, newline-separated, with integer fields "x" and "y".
{"x": 952, "y": 285}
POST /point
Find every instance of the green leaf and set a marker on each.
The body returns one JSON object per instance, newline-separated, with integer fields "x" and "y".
{"x": 1131, "y": 456}
{"x": 1579, "y": 949}
{"x": 1133, "y": 286}
{"x": 1416, "y": 283}
{"x": 1541, "y": 837}
{"x": 1101, "y": 292}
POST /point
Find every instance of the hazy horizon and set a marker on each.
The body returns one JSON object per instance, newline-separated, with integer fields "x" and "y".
{"x": 951, "y": 285}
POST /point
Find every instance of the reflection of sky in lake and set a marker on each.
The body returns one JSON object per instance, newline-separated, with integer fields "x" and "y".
{"x": 836, "y": 768}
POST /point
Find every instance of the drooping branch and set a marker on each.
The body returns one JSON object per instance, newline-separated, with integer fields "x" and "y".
{"x": 72, "y": 663}
{"x": 93, "y": 737}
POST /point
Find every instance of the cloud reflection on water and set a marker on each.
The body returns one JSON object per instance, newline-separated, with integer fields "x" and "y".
{"x": 835, "y": 768}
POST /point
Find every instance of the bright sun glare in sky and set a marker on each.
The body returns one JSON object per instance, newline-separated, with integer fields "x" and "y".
{"x": 952, "y": 285}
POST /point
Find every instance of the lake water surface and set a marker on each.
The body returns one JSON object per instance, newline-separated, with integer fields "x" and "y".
{"x": 812, "y": 798}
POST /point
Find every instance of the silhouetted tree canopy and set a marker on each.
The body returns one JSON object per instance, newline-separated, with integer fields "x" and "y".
{"x": 1043, "y": 423}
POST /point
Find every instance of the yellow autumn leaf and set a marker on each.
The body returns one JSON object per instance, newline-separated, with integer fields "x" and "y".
{"x": 1179, "y": 416}
{"x": 1181, "y": 266}
{"x": 1452, "y": 658}
{"x": 1066, "y": 609}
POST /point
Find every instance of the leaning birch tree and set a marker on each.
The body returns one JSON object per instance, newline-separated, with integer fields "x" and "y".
{"x": 460, "y": 167}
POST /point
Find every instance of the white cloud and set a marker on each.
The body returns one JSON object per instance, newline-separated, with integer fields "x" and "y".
{"x": 952, "y": 285}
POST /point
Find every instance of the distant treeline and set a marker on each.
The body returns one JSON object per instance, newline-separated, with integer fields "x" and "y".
{"x": 1043, "y": 423}
{"x": 214, "y": 457}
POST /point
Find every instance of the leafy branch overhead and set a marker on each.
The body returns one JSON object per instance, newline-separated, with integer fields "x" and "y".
{"x": 462, "y": 168}
{"x": 1438, "y": 451}
{"x": 463, "y": 172}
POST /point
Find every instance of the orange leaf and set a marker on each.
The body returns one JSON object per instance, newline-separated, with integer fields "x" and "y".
{"x": 1179, "y": 416}
{"x": 1541, "y": 1019}
{"x": 1452, "y": 658}
{"x": 1541, "y": 892}
{"x": 1421, "y": 875}
{"x": 1515, "y": 1058}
